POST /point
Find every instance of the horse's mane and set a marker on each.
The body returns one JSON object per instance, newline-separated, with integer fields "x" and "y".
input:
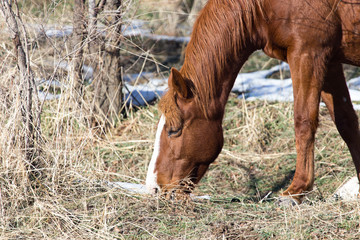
{"x": 218, "y": 36}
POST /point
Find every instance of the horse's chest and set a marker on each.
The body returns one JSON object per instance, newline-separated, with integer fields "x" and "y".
{"x": 275, "y": 52}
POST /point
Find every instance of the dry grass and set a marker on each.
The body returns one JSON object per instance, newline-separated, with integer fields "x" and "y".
{"x": 72, "y": 200}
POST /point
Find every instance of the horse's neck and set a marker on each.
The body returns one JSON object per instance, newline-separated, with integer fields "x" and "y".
{"x": 225, "y": 80}
{"x": 224, "y": 85}
{"x": 213, "y": 67}
{"x": 229, "y": 77}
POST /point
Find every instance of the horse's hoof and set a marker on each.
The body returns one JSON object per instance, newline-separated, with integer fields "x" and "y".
{"x": 286, "y": 202}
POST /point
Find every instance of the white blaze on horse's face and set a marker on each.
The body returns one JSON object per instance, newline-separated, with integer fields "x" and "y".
{"x": 151, "y": 178}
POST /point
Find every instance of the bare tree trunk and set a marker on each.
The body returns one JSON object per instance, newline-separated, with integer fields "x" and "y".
{"x": 26, "y": 82}
{"x": 108, "y": 97}
{"x": 94, "y": 10}
{"x": 79, "y": 34}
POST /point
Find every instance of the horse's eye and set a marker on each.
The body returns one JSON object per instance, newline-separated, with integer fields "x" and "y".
{"x": 174, "y": 132}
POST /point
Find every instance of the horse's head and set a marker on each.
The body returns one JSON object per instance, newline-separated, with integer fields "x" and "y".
{"x": 186, "y": 141}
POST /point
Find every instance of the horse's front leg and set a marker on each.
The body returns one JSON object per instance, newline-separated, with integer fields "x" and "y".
{"x": 307, "y": 84}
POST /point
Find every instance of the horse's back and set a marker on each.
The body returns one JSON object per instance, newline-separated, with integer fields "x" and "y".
{"x": 313, "y": 24}
{"x": 349, "y": 13}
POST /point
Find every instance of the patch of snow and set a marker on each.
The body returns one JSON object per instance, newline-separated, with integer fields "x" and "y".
{"x": 143, "y": 94}
{"x": 43, "y": 95}
{"x": 131, "y": 187}
{"x": 134, "y": 27}
{"x": 167, "y": 38}
{"x": 348, "y": 191}
{"x": 204, "y": 197}
{"x": 132, "y": 77}
{"x": 136, "y": 188}
{"x": 139, "y": 28}
{"x": 354, "y": 94}
{"x": 141, "y": 98}
{"x": 354, "y": 83}
{"x": 47, "y": 96}
{"x": 60, "y": 32}
{"x": 48, "y": 83}
{"x": 256, "y": 85}
{"x": 129, "y": 29}
{"x": 264, "y": 89}
{"x": 87, "y": 71}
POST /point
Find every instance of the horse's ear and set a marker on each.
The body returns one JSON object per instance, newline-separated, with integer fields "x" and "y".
{"x": 178, "y": 83}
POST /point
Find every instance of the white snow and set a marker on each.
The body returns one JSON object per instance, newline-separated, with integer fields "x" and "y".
{"x": 47, "y": 96}
{"x": 136, "y": 188}
{"x": 129, "y": 29}
{"x": 348, "y": 191}
{"x": 354, "y": 83}
{"x": 59, "y": 33}
{"x": 131, "y": 187}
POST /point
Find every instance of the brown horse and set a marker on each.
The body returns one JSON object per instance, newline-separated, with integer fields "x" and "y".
{"x": 313, "y": 36}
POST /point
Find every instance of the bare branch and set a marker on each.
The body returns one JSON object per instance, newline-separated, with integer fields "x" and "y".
{"x": 26, "y": 78}
{"x": 100, "y": 6}
{"x": 79, "y": 34}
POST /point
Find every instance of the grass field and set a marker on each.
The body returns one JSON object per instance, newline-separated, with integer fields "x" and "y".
{"x": 72, "y": 199}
